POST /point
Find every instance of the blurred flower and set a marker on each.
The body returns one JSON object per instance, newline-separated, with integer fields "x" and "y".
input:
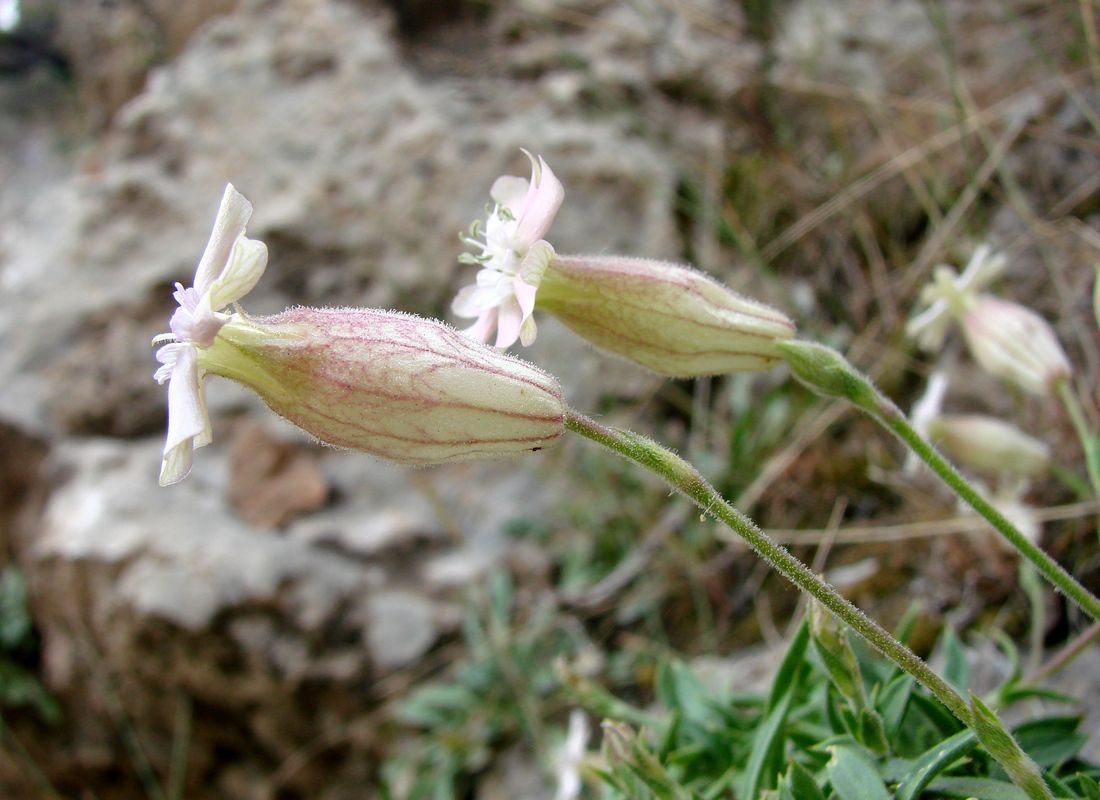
{"x": 571, "y": 756}
{"x": 949, "y": 294}
{"x": 229, "y": 268}
{"x": 1008, "y": 340}
{"x": 924, "y": 410}
{"x": 671, "y": 319}
{"x": 513, "y": 256}
{"x": 1015, "y": 344}
{"x": 990, "y": 445}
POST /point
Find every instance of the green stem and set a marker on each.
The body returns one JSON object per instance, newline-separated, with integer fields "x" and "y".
{"x": 683, "y": 477}
{"x": 1077, "y": 416}
{"x": 828, "y": 372}
{"x": 889, "y": 416}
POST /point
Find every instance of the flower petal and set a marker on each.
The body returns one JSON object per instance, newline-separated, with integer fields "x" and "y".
{"x": 465, "y": 303}
{"x": 528, "y": 331}
{"x": 482, "y": 329}
{"x": 541, "y": 204}
{"x": 186, "y": 412}
{"x": 245, "y": 268}
{"x": 233, "y": 214}
{"x": 525, "y": 296}
{"x": 509, "y": 322}
{"x": 536, "y": 262}
{"x": 176, "y": 464}
{"x": 509, "y": 191}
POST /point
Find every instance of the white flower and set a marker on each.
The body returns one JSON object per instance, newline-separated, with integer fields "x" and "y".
{"x": 571, "y": 756}
{"x": 1015, "y": 344}
{"x": 927, "y": 407}
{"x": 949, "y": 295}
{"x": 229, "y": 268}
{"x": 513, "y": 256}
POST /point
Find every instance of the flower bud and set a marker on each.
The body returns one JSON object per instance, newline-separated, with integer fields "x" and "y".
{"x": 989, "y": 444}
{"x": 672, "y": 319}
{"x": 401, "y": 387}
{"x": 1015, "y": 344}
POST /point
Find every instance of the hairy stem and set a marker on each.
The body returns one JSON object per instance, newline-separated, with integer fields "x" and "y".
{"x": 1081, "y": 426}
{"x": 891, "y": 417}
{"x": 685, "y": 478}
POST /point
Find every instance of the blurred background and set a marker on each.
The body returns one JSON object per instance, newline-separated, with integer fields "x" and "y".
{"x": 294, "y": 621}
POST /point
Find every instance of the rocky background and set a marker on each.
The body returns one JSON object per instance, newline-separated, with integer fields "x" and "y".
{"x": 257, "y": 623}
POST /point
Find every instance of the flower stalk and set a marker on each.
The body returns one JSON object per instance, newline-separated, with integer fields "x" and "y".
{"x": 1090, "y": 444}
{"x": 686, "y": 479}
{"x": 828, "y": 372}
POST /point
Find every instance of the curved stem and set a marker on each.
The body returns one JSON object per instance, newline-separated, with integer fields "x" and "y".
{"x": 1081, "y": 426}
{"x": 683, "y": 477}
{"x": 828, "y": 372}
{"x": 891, "y": 418}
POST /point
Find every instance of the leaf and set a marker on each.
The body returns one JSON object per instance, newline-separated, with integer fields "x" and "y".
{"x": 787, "y": 675}
{"x": 853, "y": 777}
{"x": 1000, "y": 744}
{"x": 1089, "y": 789}
{"x": 1051, "y": 741}
{"x": 893, "y": 701}
{"x": 934, "y": 761}
{"x": 679, "y": 689}
{"x": 15, "y": 622}
{"x": 767, "y": 743}
{"x": 802, "y": 783}
{"x": 978, "y": 788}
{"x": 872, "y": 732}
{"x": 955, "y": 668}
{"x": 939, "y": 716}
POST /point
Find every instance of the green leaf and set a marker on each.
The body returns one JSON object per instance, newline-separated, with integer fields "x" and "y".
{"x": 907, "y": 624}
{"x": 977, "y": 788}
{"x": 893, "y": 701}
{"x": 679, "y": 689}
{"x": 786, "y": 677}
{"x": 853, "y": 776}
{"x": 1088, "y": 788}
{"x": 872, "y": 732}
{"x": 15, "y": 621}
{"x": 1051, "y": 741}
{"x": 1000, "y": 744}
{"x": 955, "y": 668}
{"x": 945, "y": 722}
{"x": 802, "y": 783}
{"x": 934, "y": 761}
{"x": 767, "y": 744}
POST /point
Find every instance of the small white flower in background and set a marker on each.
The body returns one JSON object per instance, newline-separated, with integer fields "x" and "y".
{"x": 1008, "y": 340}
{"x": 1025, "y": 517}
{"x": 513, "y": 256}
{"x": 927, "y": 407}
{"x": 949, "y": 294}
{"x": 229, "y": 268}
{"x": 571, "y": 756}
{"x": 989, "y": 445}
{"x": 1015, "y": 344}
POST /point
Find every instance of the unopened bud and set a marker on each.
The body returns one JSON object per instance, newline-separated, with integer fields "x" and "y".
{"x": 1015, "y": 344}
{"x": 401, "y": 387}
{"x": 671, "y": 319}
{"x": 832, "y": 645}
{"x": 828, "y": 373}
{"x": 989, "y": 444}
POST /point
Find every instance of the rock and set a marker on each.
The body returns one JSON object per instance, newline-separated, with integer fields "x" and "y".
{"x": 271, "y": 481}
{"x": 361, "y": 173}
